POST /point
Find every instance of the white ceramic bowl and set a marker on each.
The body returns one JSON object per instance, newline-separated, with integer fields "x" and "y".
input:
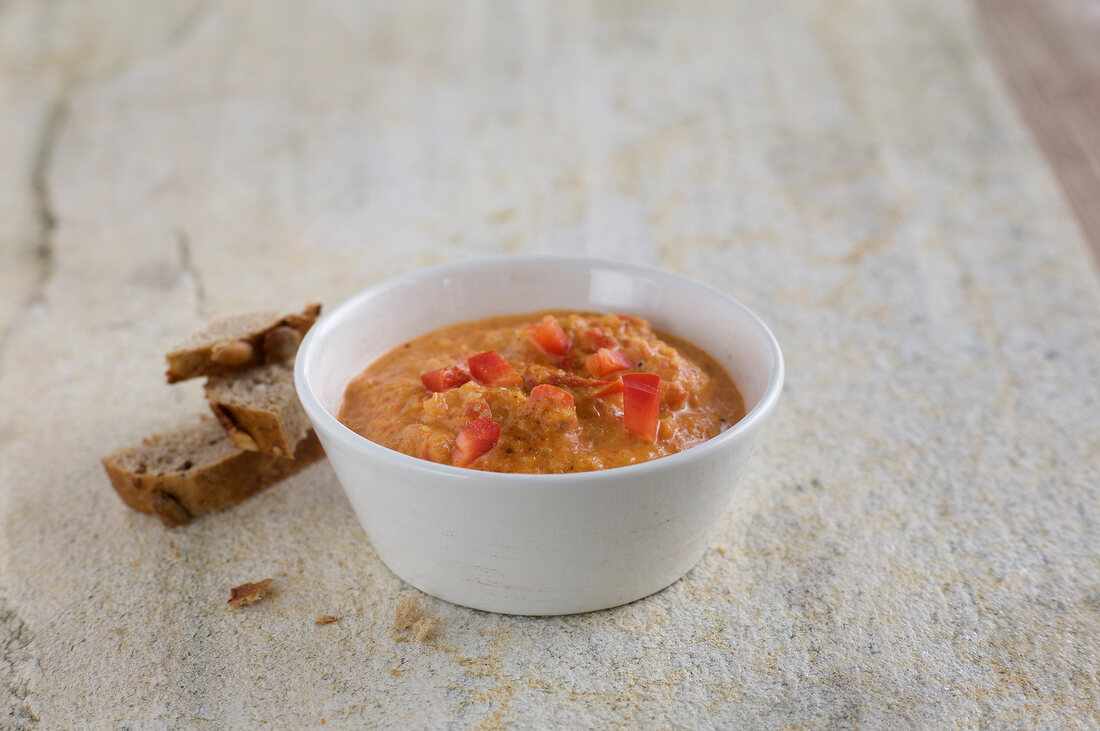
{"x": 536, "y": 544}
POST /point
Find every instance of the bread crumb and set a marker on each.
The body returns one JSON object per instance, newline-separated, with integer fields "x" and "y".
{"x": 407, "y": 612}
{"x": 175, "y": 554}
{"x": 248, "y": 593}
{"x": 395, "y": 672}
{"x": 425, "y": 629}
{"x": 720, "y": 549}
{"x": 326, "y": 619}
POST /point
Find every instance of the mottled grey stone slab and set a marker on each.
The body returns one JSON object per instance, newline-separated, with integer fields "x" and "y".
{"x": 915, "y": 542}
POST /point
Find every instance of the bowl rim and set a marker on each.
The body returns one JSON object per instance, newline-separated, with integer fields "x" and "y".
{"x": 334, "y": 428}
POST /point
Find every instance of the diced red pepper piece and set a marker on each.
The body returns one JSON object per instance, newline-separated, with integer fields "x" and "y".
{"x": 474, "y": 440}
{"x": 490, "y": 368}
{"x": 642, "y": 404}
{"x": 550, "y": 336}
{"x": 609, "y": 390}
{"x": 552, "y": 393}
{"x": 604, "y": 362}
{"x": 445, "y": 378}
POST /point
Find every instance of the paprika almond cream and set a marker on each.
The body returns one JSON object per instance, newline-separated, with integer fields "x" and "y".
{"x": 549, "y": 392}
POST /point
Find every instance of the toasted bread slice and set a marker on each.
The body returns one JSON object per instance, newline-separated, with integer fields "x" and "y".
{"x": 230, "y": 344}
{"x": 259, "y": 408}
{"x": 197, "y": 470}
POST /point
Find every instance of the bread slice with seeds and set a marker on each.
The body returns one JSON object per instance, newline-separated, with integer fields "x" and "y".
{"x": 259, "y": 408}
{"x": 197, "y": 470}
{"x": 237, "y": 342}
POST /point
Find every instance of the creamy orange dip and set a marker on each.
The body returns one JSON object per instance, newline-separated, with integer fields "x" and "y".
{"x": 547, "y": 392}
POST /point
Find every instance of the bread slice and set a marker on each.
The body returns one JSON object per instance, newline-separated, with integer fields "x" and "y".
{"x": 259, "y": 408}
{"x": 197, "y": 470}
{"x": 230, "y": 344}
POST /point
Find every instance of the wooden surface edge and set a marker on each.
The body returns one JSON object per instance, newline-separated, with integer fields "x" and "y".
{"x": 1049, "y": 56}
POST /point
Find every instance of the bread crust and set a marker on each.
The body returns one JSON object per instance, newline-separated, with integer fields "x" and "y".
{"x": 199, "y": 359}
{"x": 251, "y": 429}
{"x": 176, "y": 497}
{"x": 259, "y": 409}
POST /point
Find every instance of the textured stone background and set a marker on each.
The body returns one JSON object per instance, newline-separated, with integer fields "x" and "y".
{"x": 916, "y": 540}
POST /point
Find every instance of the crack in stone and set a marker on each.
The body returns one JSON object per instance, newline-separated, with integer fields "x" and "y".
{"x": 40, "y": 191}
{"x": 14, "y": 640}
{"x": 41, "y": 161}
{"x": 187, "y": 266}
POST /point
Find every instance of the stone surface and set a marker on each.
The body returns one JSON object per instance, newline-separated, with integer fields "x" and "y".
{"x": 915, "y": 542}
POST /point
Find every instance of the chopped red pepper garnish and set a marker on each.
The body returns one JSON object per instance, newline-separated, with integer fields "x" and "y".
{"x": 491, "y": 369}
{"x": 546, "y": 392}
{"x": 641, "y": 404}
{"x": 445, "y": 378}
{"x": 549, "y": 335}
{"x": 604, "y": 362}
{"x": 474, "y": 440}
{"x": 609, "y": 390}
